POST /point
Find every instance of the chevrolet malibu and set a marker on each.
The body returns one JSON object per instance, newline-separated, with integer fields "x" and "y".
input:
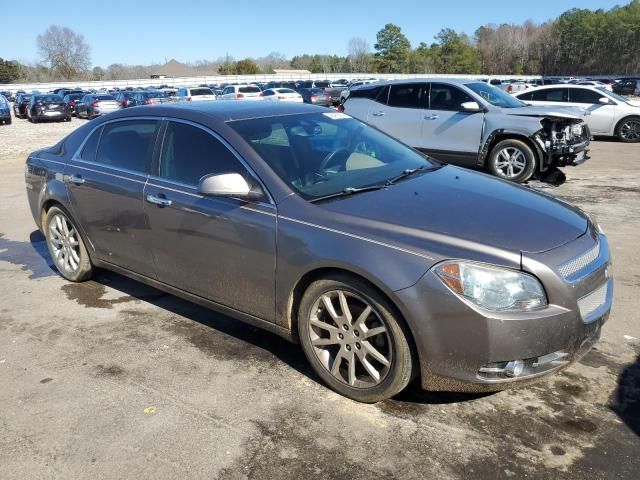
{"x": 385, "y": 265}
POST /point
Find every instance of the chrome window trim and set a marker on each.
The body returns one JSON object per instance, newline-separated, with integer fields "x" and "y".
{"x": 194, "y": 193}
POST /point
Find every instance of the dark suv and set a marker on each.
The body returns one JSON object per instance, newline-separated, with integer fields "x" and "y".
{"x": 627, "y": 86}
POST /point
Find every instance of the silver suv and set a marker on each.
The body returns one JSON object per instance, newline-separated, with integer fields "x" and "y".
{"x": 472, "y": 124}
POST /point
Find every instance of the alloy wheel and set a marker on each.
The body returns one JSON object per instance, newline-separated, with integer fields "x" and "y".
{"x": 510, "y": 162}
{"x": 630, "y": 130}
{"x": 350, "y": 339}
{"x": 64, "y": 243}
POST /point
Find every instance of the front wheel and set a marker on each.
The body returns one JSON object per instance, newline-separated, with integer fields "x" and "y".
{"x": 66, "y": 246}
{"x": 628, "y": 130}
{"x": 512, "y": 160}
{"x": 354, "y": 340}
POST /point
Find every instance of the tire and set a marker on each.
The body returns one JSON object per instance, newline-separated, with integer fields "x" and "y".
{"x": 512, "y": 160}
{"x": 628, "y": 130}
{"x": 66, "y": 246}
{"x": 327, "y": 338}
{"x": 9, "y": 121}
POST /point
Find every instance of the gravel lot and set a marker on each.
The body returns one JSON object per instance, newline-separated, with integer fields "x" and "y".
{"x": 111, "y": 379}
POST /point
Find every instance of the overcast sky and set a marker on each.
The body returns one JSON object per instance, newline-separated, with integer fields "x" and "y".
{"x": 145, "y": 32}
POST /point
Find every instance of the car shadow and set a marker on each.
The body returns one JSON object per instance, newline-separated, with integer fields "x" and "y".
{"x": 90, "y": 294}
{"x": 626, "y": 402}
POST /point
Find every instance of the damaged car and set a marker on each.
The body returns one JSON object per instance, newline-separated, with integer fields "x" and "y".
{"x": 472, "y": 124}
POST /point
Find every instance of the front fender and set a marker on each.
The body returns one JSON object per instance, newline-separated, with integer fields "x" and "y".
{"x": 524, "y": 127}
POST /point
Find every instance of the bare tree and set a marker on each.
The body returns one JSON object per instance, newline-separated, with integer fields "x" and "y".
{"x": 359, "y": 54}
{"x": 64, "y": 51}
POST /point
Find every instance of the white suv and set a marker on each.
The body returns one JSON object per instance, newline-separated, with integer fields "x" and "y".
{"x": 241, "y": 92}
{"x": 471, "y": 123}
{"x": 609, "y": 113}
{"x": 198, "y": 94}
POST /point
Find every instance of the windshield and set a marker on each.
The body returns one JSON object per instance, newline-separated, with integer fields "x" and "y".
{"x": 620, "y": 98}
{"x": 320, "y": 154}
{"x": 495, "y": 96}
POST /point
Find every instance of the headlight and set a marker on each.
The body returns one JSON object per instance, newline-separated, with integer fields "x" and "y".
{"x": 493, "y": 288}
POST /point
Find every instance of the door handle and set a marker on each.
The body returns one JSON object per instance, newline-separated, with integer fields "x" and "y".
{"x": 378, "y": 114}
{"x": 162, "y": 202}
{"x": 433, "y": 116}
{"x": 76, "y": 179}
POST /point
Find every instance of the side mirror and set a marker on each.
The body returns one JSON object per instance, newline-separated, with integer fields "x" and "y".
{"x": 228, "y": 185}
{"x": 605, "y": 101}
{"x": 470, "y": 107}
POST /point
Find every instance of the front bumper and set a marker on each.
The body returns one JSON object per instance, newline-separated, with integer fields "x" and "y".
{"x": 463, "y": 348}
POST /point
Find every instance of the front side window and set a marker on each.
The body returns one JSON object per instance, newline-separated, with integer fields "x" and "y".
{"x": 408, "y": 95}
{"x": 495, "y": 96}
{"x": 189, "y": 153}
{"x": 448, "y": 98}
{"x": 583, "y": 95}
{"x": 127, "y": 144}
{"x": 320, "y": 154}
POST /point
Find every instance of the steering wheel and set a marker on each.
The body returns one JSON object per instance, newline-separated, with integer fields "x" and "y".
{"x": 326, "y": 161}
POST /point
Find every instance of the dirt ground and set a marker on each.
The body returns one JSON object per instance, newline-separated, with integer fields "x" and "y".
{"x": 111, "y": 379}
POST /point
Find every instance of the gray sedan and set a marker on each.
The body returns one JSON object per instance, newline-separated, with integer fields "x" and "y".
{"x": 385, "y": 265}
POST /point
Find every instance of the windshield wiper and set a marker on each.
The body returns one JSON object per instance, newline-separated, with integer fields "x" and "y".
{"x": 411, "y": 171}
{"x": 348, "y": 191}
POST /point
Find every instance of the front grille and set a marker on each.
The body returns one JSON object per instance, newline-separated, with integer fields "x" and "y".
{"x": 592, "y": 301}
{"x": 581, "y": 262}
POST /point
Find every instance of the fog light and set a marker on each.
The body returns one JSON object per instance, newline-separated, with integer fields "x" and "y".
{"x": 514, "y": 368}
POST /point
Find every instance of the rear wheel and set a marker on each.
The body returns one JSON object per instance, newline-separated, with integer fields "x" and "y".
{"x": 628, "y": 130}
{"x": 354, "y": 340}
{"x": 512, "y": 160}
{"x": 66, "y": 247}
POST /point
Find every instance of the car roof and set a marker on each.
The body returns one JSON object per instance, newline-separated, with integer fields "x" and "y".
{"x": 222, "y": 111}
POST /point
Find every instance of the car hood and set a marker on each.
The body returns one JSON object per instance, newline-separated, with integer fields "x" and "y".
{"x": 546, "y": 111}
{"x": 453, "y": 206}
{"x": 635, "y": 103}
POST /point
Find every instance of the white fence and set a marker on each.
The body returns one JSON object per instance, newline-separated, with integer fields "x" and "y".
{"x": 217, "y": 79}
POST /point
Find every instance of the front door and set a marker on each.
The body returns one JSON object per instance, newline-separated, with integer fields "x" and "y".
{"x": 448, "y": 133}
{"x": 600, "y": 118}
{"x": 105, "y": 183}
{"x": 220, "y": 248}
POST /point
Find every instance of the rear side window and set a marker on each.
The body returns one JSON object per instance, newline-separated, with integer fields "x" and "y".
{"x": 367, "y": 92}
{"x": 201, "y": 91}
{"x": 582, "y": 95}
{"x": 128, "y": 144}
{"x": 525, "y": 96}
{"x": 88, "y": 152}
{"x": 408, "y": 95}
{"x": 189, "y": 153}
{"x": 550, "y": 95}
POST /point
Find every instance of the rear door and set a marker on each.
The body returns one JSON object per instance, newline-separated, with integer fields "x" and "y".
{"x": 448, "y": 133}
{"x": 220, "y": 248}
{"x": 403, "y": 114}
{"x": 105, "y": 182}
